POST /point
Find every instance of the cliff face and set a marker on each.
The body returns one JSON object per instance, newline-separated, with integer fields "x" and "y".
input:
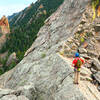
{"x": 4, "y": 29}
{"x": 43, "y": 74}
{"x": 4, "y": 25}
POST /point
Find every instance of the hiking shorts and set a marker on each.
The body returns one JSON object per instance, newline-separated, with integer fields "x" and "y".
{"x": 77, "y": 69}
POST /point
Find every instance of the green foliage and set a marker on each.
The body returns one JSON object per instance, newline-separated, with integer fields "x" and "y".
{"x": 20, "y": 55}
{"x": 12, "y": 65}
{"x": 3, "y": 62}
{"x": 6, "y": 68}
{"x": 0, "y": 34}
{"x": 43, "y": 55}
{"x": 94, "y": 5}
{"x": 82, "y": 40}
{"x": 89, "y": 34}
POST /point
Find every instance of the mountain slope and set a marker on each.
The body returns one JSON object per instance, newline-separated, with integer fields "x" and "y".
{"x": 12, "y": 16}
{"x": 25, "y": 26}
{"x": 43, "y": 74}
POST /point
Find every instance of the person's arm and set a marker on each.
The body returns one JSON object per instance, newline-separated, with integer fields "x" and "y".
{"x": 74, "y": 62}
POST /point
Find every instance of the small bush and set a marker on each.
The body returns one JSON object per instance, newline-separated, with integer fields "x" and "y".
{"x": 82, "y": 40}
{"x": 43, "y": 55}
{"x": 0, "y": 34}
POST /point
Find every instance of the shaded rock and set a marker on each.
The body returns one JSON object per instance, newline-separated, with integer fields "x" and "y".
{"x": 99, "y": 58}
{"x": 96, "y": 64}
{"x": 93, "y": 70}
{"x": 28, "y": 91}
{"x": 98, "y": 88}
{"x": 97, "y": 28}
{"x": 92, "y": 53}
{"x": 97, "y": 76}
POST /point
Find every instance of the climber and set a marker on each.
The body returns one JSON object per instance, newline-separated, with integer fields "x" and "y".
{"x": 77, "y": 63}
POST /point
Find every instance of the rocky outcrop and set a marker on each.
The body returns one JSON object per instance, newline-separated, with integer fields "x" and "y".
{"x": 50, "y": 76}
{"x": 4, "y": 25}
{"x": 4, "y": 29}
{"x": 11, "y": 59}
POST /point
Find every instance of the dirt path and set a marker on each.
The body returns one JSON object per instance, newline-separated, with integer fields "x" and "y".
{"x": 87, "y": 89}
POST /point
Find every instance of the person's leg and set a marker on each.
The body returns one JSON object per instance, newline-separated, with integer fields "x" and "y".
{"x": 75, "y": 76}
{"x": 78, "y": 77}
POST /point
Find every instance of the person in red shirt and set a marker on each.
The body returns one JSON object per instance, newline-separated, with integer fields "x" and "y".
{"x": 77, "y": 63}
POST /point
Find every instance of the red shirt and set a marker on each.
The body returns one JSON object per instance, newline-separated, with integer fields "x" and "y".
{"x": 75, "y": 60}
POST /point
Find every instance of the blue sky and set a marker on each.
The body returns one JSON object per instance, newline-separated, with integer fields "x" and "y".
{"x": 8, "y": 7}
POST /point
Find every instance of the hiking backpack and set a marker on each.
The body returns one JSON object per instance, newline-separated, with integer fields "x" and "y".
{"x": 79, "y": 63}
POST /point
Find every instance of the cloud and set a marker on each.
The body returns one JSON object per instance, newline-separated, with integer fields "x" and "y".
{"x": 10, "y": 9}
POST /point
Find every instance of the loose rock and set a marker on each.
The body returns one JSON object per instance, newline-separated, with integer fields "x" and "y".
{"x": 97, "y": 76}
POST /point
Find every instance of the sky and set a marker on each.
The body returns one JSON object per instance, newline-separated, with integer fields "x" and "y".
{"x": 8, "y": 7}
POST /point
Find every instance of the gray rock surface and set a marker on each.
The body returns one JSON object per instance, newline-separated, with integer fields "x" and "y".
{"x": 93, "y": 70}
{"x": 13, "y": 97}
{"x": 9, "y": 97}
{"x": 97, "y": 76}
{"x": 48, "y": 77}
{"x": 96, "y": 64}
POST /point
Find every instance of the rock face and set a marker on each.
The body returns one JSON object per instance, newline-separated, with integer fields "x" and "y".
{"x": 50, "y": 76}
{"x": 4, "y": 29}
{"x": 97, "y": 76}
{"x": 4, "y": 25}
